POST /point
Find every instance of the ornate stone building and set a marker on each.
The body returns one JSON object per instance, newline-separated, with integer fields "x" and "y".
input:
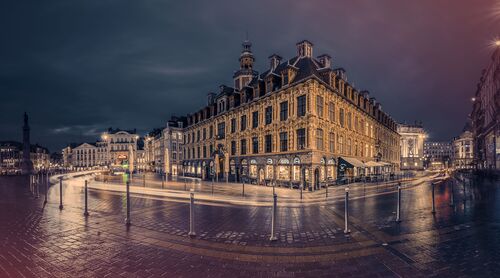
{"x": 298, "y": 122}
{"x": 412, "y": 146}
{"x": 485, "y": 116}
{"x": 463, "y": 148}
{"x": 438, "y": 155}
{"x": 116, "y": 149}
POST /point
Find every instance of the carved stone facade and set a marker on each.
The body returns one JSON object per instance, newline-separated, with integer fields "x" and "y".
{"x": 412, "y": 146}
{"x": 485, "y": 116}
{"x": 289, "y": 125}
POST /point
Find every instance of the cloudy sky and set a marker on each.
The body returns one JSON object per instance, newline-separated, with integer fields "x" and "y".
{"x": 78, "y": 67}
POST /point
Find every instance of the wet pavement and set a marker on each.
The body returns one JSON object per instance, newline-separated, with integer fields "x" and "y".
{"x": 233, "y": 240}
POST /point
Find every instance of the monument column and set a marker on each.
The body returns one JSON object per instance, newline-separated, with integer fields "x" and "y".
{"x": 26, "y": 164}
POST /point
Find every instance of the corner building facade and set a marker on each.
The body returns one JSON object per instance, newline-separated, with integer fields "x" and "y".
{"x": 299, "y": 122}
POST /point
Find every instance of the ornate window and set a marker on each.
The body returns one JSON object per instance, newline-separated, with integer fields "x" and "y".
{"x": 301, "y": 106}
{"x": 283, "y": 141}
{"x": 319, "y": 139}
{"x": 301, "y": 138}
{"x": 319, "y": 106}
{"x": 284, "y": 111}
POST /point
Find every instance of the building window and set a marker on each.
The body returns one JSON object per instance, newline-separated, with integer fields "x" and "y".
{"x": 341, "y": 117}
{"x": 331, "y": 142}
{"x": 284, "y": 141}
{"x": 331, "y": 111}
{"x": 204, "y": 133}
{"x": 233, "y": 125}
{"x": 243, "y": 122}
{"x": 284, "y": 111}
{"x": 301, "y": 106}
{"x": 340, "y": 140}
{"x": 349, "y": 120}
{"x": 301, "y": 138}
{"x": 221, "y": 130}
{"x": 255, "y": 145}
{"x": 198, "y": 136}
{"x": 243, "y": 147}
{"x": 198, "y": 152}
{"x": 255, "y": 119}
{"x": 269, "y": 115}
{"x": 233, "y": 147}
{"x": 204, "y": 151}
{"x": 211, "y": 131}
{"x": 319, "y": 139}
{"x": 268, "y": 143}
{"x": 319, "y": 106}
{"x": 211, "y": 150}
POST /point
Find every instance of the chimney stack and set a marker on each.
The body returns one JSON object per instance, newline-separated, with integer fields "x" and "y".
{"x": 305, "y": 49}
{"x": 325, "y": 60}
{"x": 274, "y": 60}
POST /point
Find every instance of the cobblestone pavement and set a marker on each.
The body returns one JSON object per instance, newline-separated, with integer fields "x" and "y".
{"x": 42, "y": 241}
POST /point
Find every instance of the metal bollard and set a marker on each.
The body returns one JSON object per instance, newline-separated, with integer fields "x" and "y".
{"x": 162, "y": 182}
{"x": 433, "y": 202}
{"x": 243, "y": 189}
{"x": 37, "y": 184}
{"x": 301, "y": 188}
{"x": 398, "y": 212}
{"x": 191, "y": 233}
{"x": 273, "y": 219}
{"x": 60, "y": 193}
{"x": 46, "y": 187}
{"x": 452, "y": 197}
{"x": 185, "y": 185}
{"x": 465, "y": 193}
{"x": 326, "y": 191}
{"x": 212, "y": 185}
{"x": 86, "y": 212}
{"x": 127, "y": 220}
{"x": 346, "y": 211}
{"x": 274, "y": 186}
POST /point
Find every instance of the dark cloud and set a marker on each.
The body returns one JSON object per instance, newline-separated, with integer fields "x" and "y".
{"x": 79, "y": 67}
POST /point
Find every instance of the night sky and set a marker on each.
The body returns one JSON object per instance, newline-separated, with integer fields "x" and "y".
{"x": 79, "y": 67}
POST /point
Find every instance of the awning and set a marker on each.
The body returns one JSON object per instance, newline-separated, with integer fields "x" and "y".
{"x": 351, "y": 162}
{"x": 374, "y": 164}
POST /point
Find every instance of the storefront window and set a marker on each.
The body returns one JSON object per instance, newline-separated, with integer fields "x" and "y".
{"x": 232, "y": 167}
{"x": 269, "y": 171}
{"x": 253, "y": 168}
{"x": 244, "y": 167}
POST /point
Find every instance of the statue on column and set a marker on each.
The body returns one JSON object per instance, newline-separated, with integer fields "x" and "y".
{"x": 26, "y": 164}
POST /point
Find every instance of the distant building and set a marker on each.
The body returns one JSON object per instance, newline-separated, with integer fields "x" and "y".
{"x": 117, "y": 149}
{"x": 11, "y": 157}
{"x": 163, "y": 148}
{"x": 486, "y": 116}
{"x": 438, "y": 155}
{"x": 463, "y": 148}
{"x": 172, "y": 146}
{"x": 412, "y": 146}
